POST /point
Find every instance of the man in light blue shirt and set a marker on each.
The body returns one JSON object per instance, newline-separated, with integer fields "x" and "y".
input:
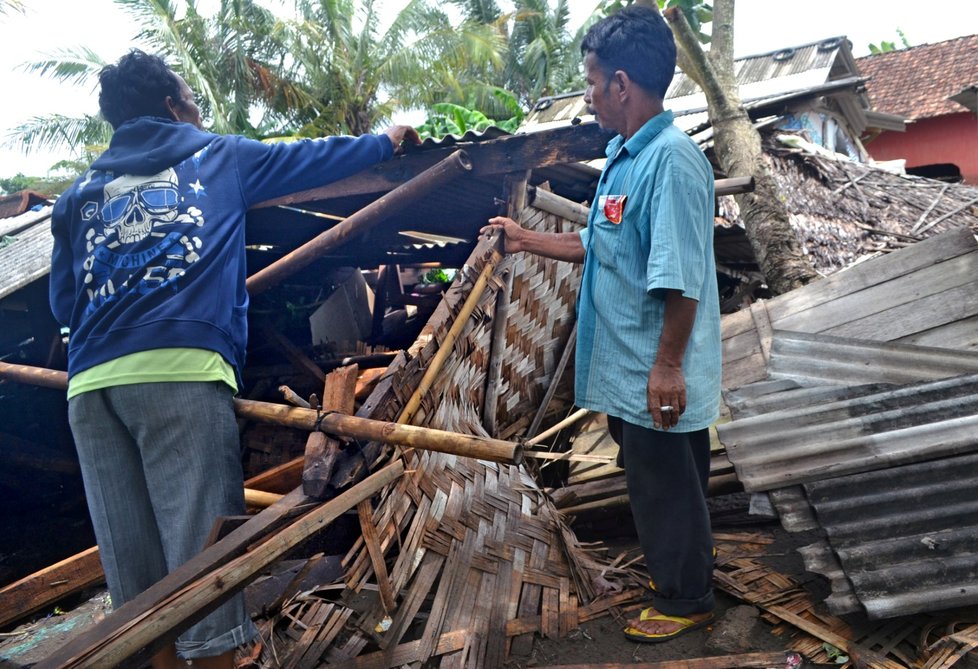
{"x": 648, "y": 336}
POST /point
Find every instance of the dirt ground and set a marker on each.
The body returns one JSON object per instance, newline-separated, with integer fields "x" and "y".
{"x": 737, "y": 627}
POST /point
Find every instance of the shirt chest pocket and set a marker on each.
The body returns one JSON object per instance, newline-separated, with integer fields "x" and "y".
{"x": 607, "y": 236}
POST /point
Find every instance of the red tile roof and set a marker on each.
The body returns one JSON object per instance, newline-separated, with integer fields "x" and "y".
{"x": 916, "y": 82}
{"x": 17, "y": 203}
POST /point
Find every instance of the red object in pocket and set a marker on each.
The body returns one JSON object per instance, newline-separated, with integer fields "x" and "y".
{"x": 614, "y": 207}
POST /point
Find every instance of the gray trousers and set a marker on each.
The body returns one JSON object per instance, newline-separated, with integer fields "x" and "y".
{"x": 160, "y": 462}
{"x": 667, "y": 474}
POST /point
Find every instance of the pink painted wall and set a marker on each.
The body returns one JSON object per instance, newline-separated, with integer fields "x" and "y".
{"x": 943, "y": 139}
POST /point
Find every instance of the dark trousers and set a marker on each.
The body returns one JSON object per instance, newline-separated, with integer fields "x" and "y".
{"x": 667, "y": 474}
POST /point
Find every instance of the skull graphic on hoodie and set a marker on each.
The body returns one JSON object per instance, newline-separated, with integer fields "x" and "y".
{"x": 138, "y": 237}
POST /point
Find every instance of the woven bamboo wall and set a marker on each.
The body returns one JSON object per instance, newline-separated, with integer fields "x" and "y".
{"x": 473, "y": 547}
{"x": 540, "y": 317}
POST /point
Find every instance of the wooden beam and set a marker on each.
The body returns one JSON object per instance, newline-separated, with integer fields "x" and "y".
{"x": 45, "y": 587}
{"x": 743, "y": 661}
{"x": 344, "y": 426}
{"x": 227, "y": 548}
{"x": 132, "y": 633}
{"x": 451, "y": 167}
{"x": 571, "y": 144}
{"x": 377, "y": 430}
{"x": 322, "y": 450}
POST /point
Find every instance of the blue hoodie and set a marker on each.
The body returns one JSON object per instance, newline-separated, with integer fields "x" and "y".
{"x": 149, "y": 244}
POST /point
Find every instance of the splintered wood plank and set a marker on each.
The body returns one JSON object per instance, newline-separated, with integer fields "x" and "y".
{"x": 47, "y": 586}
{"x": 745, "y": 661}
{"x": 880, "y": 300}
{"x": 281, "y": 479}
{"x": 322, "y": 450}
{"x": 404, "y": 654}
{"x": 365, "y": 511}
{"x": 138, "y": 629}
{"x": 932, "y": 251}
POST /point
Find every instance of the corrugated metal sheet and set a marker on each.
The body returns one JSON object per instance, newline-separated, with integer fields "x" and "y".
{"x": 25, "y": 249}
{"x": 813, "y": 359}
{"x": 887, "y": 471}
{"x": 906, "y": 537}
{"x": 769, "y": 79}
{"x": 812, "y": 62}
{"x": 912, "y": 423}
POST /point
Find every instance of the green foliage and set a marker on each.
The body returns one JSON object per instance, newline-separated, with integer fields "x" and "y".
{"x": 884, "y": 46}
{"x": 834, "y": 654}
{"x": 49, "y": 185}
{"x": 446, "y": 118}
{"x": 437, "y": 275}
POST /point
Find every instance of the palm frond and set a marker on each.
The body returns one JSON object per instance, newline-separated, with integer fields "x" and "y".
{"x": 79, "y": 65}
{"x": 58, "y": 132}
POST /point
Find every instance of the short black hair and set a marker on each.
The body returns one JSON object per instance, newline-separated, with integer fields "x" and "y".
{"x": 136, "y": 86}
{"x": 638, "y": 41}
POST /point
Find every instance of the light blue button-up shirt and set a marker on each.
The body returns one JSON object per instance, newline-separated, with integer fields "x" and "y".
{"x": 664, "y": 241}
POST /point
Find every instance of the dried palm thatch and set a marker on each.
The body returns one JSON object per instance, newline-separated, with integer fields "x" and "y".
{"x": 844, "y": 211}
{"x": 461, "y": 559}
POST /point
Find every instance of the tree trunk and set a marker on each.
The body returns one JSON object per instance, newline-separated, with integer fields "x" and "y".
{"x": 737, "y": 146}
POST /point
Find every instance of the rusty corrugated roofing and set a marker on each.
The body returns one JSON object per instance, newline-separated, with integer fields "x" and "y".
{"x": 886, "y": 471}
{"x": 918, "y": 81}
{"x": 905, "y": 537}
{"x": 25, "y": 249}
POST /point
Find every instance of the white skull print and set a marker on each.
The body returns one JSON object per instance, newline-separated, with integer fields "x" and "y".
{"x": 135, "y": 204}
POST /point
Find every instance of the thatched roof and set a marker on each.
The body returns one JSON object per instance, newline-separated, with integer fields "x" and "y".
{"x": 845, "y": 211}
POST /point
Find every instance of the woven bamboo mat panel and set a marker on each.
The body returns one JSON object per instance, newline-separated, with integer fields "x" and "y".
{"x": 540, "y": 316}
{"x": 470, "y": 556}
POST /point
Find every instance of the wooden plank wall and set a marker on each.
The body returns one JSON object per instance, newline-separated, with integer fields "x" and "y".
{"x": 925, "y": 294}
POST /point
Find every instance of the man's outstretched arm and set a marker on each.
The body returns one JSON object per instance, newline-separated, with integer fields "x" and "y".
{"x": 557, "y": 245}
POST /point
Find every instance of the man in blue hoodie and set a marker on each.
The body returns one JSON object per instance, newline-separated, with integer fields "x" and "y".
{"x": 148, "y": 272}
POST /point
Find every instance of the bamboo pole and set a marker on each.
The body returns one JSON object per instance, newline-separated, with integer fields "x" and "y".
{"x": 375, "y": 430}
{"x": 331, "y": 423}
{"x": 152, "y": 627}
{"x": 570, "y": 420}
{"x": 446, "y": 345}
{"x": 375, "y": 212}
{"x": 58, "y": 380}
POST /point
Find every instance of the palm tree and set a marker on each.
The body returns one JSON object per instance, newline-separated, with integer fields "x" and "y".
{"x": 542, "y": 55}
{"x": 360, "y": 74}
{"x": 232, "y": 61}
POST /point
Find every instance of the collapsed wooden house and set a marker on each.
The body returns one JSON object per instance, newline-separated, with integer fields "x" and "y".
{"x": 458, "y": 560}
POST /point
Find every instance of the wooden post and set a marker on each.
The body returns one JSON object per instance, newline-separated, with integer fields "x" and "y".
{"x": 516, "y": 197}
{"x": 375, "y": 212}
{"x": 321, "y": 450}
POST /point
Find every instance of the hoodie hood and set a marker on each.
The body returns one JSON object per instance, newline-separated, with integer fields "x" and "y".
{"x": 147, "y": 145}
